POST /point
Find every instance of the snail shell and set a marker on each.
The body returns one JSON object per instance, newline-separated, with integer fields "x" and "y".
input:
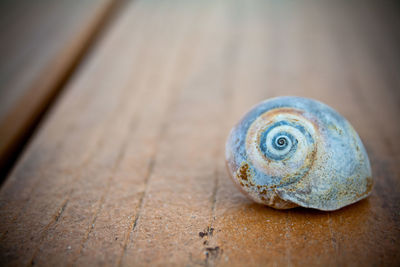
{"x": 291, "y": 151}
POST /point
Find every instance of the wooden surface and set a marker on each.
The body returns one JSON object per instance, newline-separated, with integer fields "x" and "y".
{"x": 41, "y": 41}
{"x": 128, "y": 167}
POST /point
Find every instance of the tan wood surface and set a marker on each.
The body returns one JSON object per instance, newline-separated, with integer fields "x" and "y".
{"x": 128, "y": 168}
{"x": 41, "y": 41}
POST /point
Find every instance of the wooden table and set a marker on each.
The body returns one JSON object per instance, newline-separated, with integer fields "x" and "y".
{"x": 127, "y": 166}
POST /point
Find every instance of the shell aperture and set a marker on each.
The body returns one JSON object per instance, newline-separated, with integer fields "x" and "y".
{"x": 292, "y": 151}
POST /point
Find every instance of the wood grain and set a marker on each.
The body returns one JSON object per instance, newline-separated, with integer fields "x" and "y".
{"x": 41, "y": 42}
{"x": 128, "y": 168}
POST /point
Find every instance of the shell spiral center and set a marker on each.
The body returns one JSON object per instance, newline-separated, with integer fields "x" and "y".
{"x": 281, "y": 145}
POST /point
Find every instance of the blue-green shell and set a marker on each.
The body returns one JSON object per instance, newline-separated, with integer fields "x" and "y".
{"x": 292, "y": 151}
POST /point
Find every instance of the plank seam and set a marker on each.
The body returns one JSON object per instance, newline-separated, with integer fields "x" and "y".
{"x": 14, "y": 149}
{"x": 133, "y": 223}
{"x": 101, "y": 204}
{"x": 56, "y": 217}
{"x": 176, "y": 90}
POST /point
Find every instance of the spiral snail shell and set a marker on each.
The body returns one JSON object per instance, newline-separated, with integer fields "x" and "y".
{"x": 292, "y": 151}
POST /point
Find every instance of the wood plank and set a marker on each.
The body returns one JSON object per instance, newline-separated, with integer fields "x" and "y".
{"x": 42, "y": 41}
{"x": 129, "y": 169}
{"x": 338, "y": 238}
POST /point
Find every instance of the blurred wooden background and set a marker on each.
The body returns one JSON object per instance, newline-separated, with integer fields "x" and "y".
{"x": 126, "y": 167}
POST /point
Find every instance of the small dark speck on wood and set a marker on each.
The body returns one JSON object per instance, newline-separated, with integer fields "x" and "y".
{"x": 208, "y": 232}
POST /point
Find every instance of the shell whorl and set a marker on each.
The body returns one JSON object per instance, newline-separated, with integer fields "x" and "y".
{"x": 281, "y": 144}
{"x": 294, "y": 151}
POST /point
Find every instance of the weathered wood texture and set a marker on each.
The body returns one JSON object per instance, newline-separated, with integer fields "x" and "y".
{"x": 128, "y": 168}
{"x": 41, "y": 41}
